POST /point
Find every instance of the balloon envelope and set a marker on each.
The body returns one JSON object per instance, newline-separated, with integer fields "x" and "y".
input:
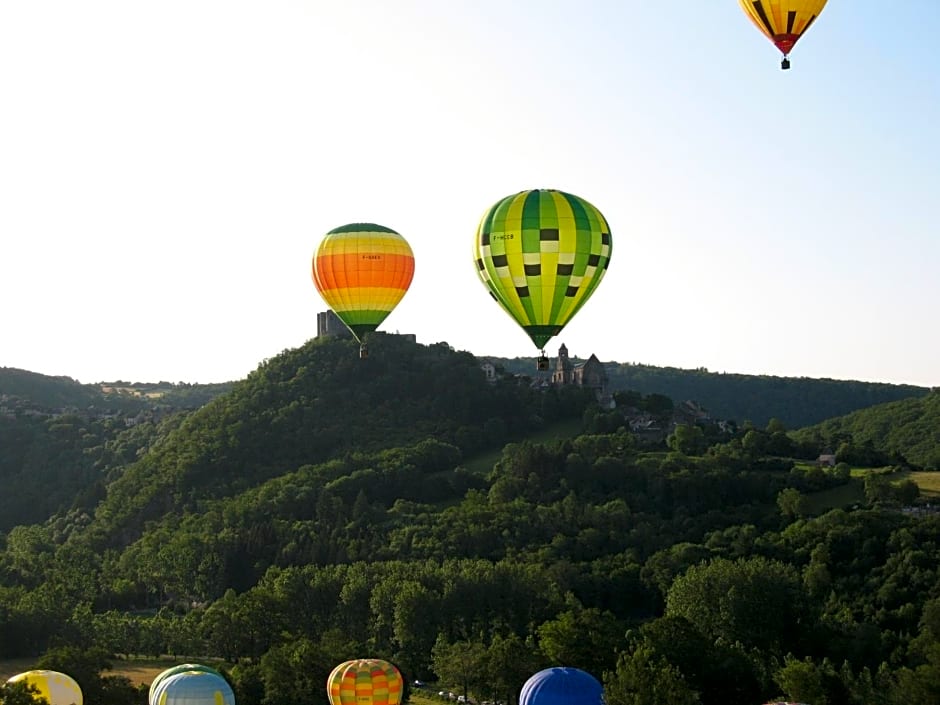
{"x": 783, "y": 21}
{"x": 362, "y": 271}
{"x": 542, "y": 253}
{"x": 57, "y": 688}
{"x": 562, "y": 686}
{"x": 181, "y": 668}
{"x": 193, "y": 688}
{"x": 365, "y": 682}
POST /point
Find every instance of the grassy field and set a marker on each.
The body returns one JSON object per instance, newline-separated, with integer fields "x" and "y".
{"x": 483, "y": 463}
{"x": 853, "y": 493}
{"x": 928, "y": 482}
{"x": 841, "y": 497}
{"x": 138, "y": 671}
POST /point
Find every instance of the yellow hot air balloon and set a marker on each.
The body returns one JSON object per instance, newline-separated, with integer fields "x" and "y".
{"x": 367, "y": 681}
{"x": 362, "y": 271}
{"x": 57, "y": 688}
{"x": 783, "y": 21}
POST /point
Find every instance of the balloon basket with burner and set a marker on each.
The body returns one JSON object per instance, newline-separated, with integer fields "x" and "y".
{"x": 541, "y": 363}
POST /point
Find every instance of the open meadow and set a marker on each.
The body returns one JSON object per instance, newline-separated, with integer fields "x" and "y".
{"x": 138, "y": 671}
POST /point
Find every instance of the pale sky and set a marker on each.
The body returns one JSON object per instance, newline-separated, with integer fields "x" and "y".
{"x": 167, "y": 170}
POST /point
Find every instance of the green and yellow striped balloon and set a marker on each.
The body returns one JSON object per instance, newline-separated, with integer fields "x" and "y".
{"x": 541, "y": 254}
{"x": 366, "y": 681}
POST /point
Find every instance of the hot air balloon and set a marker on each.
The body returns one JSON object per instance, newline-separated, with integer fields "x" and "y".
{"x": 173, "y": 670}
{"x": 367, "y": 681}
{"x": 783, "y": 21}
{"x": 362, "y": 271}
{"x": 193, "y": 688}
{"x": 57, "y": 688}
{"x": 562, "y": 686}
{"x": 542, "y": 253}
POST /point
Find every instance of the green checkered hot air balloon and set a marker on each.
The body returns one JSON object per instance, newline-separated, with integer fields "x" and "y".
{"x": 541, "y": 254}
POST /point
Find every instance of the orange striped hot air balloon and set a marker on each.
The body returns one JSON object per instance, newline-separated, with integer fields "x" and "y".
{"x": 367, "y": 681}
{"x": 362, "y": 271}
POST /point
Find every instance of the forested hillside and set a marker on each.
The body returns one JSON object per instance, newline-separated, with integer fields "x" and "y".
{"x": 60, "y": 440}
{"x": 907, "y": 430}
{"x": 45, "y": 391}
{"x": 22, "y": 391}
{"x": 796, "y": 401}
{"x": 400, "y": 506}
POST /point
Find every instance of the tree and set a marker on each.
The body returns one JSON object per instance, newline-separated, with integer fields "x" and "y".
{"x": 644, "y": 678}
{"x": 754, "y": 442}
{"x": 842, "y": 472}
{"x": 21, "y": 693}
{"x": 414, "y": 633}
{"x": 791, "y": 502}
{"x": 877, "y": 488}
{"x": 663, "y": 566}
{"x": 294, "y": 673}
{"x": 688, "y": 440}
{"x": 461, "y": 663}
{"x": 759, "y": 602}
{"x": 581, "y": 638}
{"x": 801, "y": 681}
{"x": 907, "y": 492}
{"x": 717, "y": 671}
{"x": 509, "y": 663}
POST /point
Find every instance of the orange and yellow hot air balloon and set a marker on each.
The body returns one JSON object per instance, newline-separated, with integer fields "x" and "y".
{"x": 783, "y": 21}
{"x": 362, "y": 271}
{"x": 366, "y": 681}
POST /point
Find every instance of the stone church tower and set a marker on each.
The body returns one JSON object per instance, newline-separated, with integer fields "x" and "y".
{"x": 589, "y": 374}
{"x": 564, "y": 370}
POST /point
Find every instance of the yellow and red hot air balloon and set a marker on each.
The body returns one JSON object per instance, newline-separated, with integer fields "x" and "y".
{"x": 367, "y": 681}
{"x": 783, "y": 21}
{"x": 362, "y": 271}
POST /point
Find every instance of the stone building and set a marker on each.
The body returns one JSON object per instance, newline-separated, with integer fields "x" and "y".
{"x": 590, "y": 373}
{"x": 328, "y": 323}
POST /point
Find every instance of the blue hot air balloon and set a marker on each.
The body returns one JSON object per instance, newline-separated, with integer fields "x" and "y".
{"x": 562, "y": 686}
{"x": 181, "y": 668}
{"x": 193, "y": 688}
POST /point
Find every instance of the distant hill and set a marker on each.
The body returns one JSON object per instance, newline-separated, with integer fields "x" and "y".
{"x": 908, "y": 429}
{"x": 46, "y": 392}
{"x": 22, "y": 390}
{"x": 61, "y": 440}
{"x": 796, "y": 401}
